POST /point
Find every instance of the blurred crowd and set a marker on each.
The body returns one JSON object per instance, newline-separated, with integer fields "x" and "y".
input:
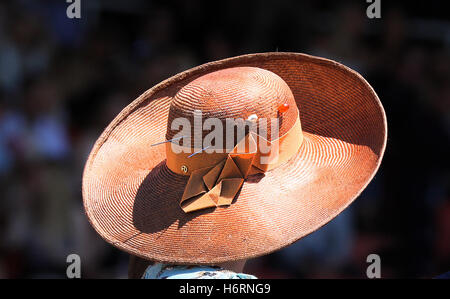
{"x": 63, "y": 80}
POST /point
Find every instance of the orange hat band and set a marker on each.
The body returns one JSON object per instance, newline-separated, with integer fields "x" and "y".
{"x": 215, "y": 178}
{"x": 281, "y": 150}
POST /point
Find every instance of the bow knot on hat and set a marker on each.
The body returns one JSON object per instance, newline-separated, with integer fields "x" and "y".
{"x": 218, "y": 185}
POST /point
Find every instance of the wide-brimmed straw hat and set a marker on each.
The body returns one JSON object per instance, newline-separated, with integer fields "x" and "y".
{"x": 151, "y": 201}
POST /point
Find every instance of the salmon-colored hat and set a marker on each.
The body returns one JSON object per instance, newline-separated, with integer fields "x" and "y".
{"x": 146, "y": 198}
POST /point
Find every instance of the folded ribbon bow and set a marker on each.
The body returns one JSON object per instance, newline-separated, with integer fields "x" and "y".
{"x": 218, "y": 185}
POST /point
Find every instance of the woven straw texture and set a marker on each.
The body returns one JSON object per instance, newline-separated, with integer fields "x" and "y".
{"x": 132, "y": 199}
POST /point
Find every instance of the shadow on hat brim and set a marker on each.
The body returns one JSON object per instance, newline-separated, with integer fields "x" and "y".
{"x": 132, "y": 199}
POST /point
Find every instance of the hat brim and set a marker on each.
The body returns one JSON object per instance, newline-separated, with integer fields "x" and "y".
{"x": 132, "y": 199}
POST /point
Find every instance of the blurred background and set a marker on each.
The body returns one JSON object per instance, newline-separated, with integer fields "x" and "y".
{"x": 63, "y": 80}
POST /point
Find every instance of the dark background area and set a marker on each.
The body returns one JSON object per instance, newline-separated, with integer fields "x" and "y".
{"x": 63, "y": 80}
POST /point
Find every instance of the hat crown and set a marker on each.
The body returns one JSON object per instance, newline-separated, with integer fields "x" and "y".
{"x": 235, "y": 93}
